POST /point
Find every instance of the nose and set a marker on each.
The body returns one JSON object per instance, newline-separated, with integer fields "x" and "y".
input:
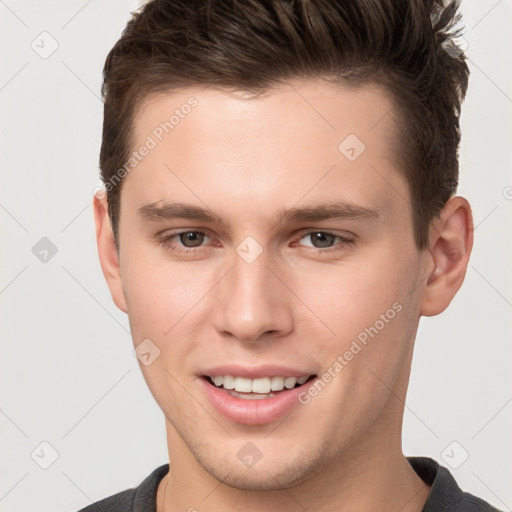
{"x": 251, "y": 304}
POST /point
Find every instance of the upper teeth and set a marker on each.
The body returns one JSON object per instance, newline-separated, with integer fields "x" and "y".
{"x": 262, "y": 385}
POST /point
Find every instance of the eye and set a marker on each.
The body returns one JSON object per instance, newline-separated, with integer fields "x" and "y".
{"x": 191, "y": 238}
{"x": 183, "y": 241}
{"x": 319, "y": 239}
{"x": 324, "y": 240}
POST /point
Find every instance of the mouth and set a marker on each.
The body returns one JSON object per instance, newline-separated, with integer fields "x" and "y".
{"x": 257, "y": 389}
{"x": 253, "y": 395}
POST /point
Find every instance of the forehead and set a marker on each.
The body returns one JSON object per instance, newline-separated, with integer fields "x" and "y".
{"x": 302, "y": 138}
{"x": 313, "y": 108}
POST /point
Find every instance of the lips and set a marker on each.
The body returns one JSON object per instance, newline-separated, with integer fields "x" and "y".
{"x": 254, "y": 396}
{"x": 254, "y": 372}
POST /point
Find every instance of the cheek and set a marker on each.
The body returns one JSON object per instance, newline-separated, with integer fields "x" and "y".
{"x": 372, "y": 316}
{"x": 350, "y": 298}
{"x": 162, "y": 301}
{"x": 159, "y": 295}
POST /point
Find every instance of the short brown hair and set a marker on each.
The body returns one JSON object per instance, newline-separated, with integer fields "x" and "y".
{"x": 251, "y": 45}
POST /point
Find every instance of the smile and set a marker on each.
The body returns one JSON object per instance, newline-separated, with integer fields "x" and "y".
{"x": 254, "y": 401}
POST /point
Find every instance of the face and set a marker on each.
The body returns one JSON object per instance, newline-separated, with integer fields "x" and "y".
{"x": 264, "y": 240}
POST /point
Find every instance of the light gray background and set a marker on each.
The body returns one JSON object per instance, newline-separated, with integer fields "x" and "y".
{"x": 68, "y": 374}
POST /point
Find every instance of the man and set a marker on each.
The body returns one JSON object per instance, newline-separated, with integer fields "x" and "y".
{"x": 280, "y": 212}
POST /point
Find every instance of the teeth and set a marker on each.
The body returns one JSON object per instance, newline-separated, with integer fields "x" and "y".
{"x": 250, "y": 396}
{"x": 242, "y": 384}
{"x": 227, "y": 381}
{"x": 277, "y": 383}
{"x": 290, "y": 382}
{"x": 262, "y": 385}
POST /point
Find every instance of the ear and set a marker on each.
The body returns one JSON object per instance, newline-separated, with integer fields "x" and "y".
{"x": 109, "y": 257}
{"x": 450, "y": 244}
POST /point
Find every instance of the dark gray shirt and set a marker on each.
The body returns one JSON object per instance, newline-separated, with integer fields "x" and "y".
{"x": 445, "y": 495}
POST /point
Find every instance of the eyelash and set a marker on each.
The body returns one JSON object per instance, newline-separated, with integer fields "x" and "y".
{"x": 166, "y": 239}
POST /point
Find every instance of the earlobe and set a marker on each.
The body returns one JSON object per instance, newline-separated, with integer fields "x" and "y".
{"x": 107, "y": 250}
{"x": 450, "y": 244}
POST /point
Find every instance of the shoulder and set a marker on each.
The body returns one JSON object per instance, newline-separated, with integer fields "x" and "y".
{"x": 120, "y": 502}
{"x": 445, "y": 495}
{"x": 138, "y": 499}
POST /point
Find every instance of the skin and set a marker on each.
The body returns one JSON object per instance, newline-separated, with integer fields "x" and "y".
{"x": 246, "y": 159}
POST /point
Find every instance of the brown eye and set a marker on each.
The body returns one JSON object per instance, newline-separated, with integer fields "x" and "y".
{"x": 191, "y": 238}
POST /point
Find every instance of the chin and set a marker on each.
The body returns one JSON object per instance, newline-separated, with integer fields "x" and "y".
{"x": 262, "y": 479}
{"x": 268, "y": 473}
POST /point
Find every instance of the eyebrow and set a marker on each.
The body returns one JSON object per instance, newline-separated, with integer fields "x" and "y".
{"x": 169, "y": 211}
{"x": 161, "y": 211}
{"x": 328, "y": 211}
